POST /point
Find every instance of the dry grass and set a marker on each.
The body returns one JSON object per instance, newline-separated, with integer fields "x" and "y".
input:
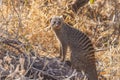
{"x": 27, "y": 21}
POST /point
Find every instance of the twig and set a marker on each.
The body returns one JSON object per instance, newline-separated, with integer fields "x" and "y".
{"x": 43, "y": 72}
{"x": 15, "y": 47}
{"x": 12, "y": 41}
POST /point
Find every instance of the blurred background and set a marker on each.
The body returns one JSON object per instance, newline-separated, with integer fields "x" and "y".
{"x": 27, "y": 22}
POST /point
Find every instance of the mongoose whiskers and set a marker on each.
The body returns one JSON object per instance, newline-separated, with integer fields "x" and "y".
{"x": 82, "y": 51}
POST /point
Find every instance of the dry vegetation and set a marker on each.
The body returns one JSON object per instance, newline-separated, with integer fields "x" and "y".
{"x": 23, "y": 27}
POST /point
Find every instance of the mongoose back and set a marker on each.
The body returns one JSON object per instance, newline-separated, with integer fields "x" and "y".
{"x": 82, "y": 51}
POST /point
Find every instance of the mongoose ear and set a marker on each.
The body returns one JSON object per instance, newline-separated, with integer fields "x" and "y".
{"x": 62, "y": 18}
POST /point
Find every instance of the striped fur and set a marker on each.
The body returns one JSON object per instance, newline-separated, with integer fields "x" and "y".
{"x": 82, "y": 51}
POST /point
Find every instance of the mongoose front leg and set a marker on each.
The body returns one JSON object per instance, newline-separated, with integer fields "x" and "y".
{"x": 63, "y": 51}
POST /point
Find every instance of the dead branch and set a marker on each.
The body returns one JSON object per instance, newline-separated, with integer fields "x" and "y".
{"x": 77, "y": 4}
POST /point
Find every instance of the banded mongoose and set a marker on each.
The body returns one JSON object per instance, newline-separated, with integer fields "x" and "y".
{"x": 82, "y": 51}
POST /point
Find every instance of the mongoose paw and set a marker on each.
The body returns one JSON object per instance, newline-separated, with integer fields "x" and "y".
{"x": 68, "y": 63}
{"x": 62, "y": 60}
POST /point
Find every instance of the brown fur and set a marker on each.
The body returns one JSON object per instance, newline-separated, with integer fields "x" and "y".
{"x": 82, "y": 51}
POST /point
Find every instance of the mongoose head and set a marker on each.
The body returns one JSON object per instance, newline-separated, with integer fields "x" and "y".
{"x": 56, "y": 22}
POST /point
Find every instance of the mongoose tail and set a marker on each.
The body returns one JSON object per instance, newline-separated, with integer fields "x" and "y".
{"x": 91, "y": 72}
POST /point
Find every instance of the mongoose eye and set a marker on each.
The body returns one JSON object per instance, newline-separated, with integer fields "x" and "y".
{"x": 59, "y": 22}
{"x": 53, "y": 22}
